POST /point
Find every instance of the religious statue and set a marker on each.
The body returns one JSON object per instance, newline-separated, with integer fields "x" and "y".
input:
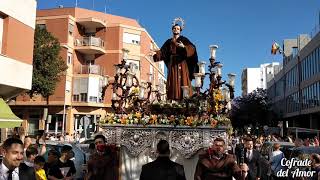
{"x": 180, "y": 57}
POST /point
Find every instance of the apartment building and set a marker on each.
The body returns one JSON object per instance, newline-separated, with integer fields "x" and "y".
{"x": 92, "y": 44}
{"x": 253, "y": 78}
{"x": 17, "y": 24}
{"x": 295, "y": 90}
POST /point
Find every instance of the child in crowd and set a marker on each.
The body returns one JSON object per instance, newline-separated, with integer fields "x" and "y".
{"x": 39, "y": 162}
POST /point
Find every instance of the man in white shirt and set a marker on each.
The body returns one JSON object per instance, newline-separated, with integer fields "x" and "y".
{"x": 12, "y": 157}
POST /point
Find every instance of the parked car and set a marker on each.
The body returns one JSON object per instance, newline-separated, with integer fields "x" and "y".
{"x": 267, "y": 148}
{"x": 303, "y": 152}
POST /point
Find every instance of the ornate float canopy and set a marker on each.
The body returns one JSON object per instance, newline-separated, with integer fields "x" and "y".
{"x": 142, "y": 116}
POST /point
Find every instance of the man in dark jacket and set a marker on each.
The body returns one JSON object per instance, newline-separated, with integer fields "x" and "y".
{"x": 253, "y": 159}
{"x": 162, "y": 168}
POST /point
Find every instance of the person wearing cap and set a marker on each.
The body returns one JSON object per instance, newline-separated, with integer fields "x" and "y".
{"x": 218, "y": 165}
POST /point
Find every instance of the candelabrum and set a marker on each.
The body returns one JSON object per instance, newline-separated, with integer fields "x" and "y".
{"x": 128, "y": 93}
{"x": 216, "y": 99}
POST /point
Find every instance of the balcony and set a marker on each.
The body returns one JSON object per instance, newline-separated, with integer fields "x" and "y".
{"x": 90, "y": 45}
{"x": 91, "y": 23}
{"x": 90, "y": 69}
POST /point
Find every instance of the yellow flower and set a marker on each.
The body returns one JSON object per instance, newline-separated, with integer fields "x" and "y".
{"x": 138, "y": 115}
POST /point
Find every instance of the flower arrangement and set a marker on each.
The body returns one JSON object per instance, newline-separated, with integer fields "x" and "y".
{"x": 162, "y": 119}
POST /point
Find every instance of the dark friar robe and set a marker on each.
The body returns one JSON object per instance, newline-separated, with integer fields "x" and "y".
{"x": 181, "y": 64}
{"x": 209, "y": 168}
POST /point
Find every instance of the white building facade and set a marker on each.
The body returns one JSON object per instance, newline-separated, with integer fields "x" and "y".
{"x": 253, "y": 78}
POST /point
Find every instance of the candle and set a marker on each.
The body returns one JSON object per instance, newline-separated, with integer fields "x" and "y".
{"x": 231, "y": 77}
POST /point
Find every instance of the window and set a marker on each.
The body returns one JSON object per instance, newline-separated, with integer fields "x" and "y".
{"x": 93, "y": 99}
{"x": 294, "y": 51}
{"x": 83, "y": 97}
{"x": 1, "y": 32}
{"x": 137, "y": 64}
{"x": 76, "y": 98}
{"x": 70, "y": 29}
{"x": 42, "y": 26}
{"x": 69, "y": 58}
{"x": 131, "y": 38}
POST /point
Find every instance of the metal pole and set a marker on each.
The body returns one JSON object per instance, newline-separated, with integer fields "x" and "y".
{"x": 76, "y": 3}
{"x": 64, "y": 107}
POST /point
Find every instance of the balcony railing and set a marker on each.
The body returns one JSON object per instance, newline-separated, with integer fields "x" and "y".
{"x": 90, "y": 69}
{"x": 90, "y": 41}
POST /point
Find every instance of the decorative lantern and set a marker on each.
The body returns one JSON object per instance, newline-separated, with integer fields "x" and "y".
{"x": 142, "y": 89}
{"x": 202, "y": 69}
{"x": 125, "y": 53}
{"x": 213, "y": 49}
{"x": 197, "y": 77}
{"x": 129, "y": 80}
{"x": 232, "y": 78}
{"x": 219, "y": 69}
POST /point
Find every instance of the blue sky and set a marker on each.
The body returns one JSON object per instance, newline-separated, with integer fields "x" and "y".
{"x": 244, "y": 30}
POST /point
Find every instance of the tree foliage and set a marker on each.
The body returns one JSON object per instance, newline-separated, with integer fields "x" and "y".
{"x": 47, "y": 64}
{"x": 252, "y": 109}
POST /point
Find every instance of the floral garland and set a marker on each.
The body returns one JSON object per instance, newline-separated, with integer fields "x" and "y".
{"x": 162, "y": 119}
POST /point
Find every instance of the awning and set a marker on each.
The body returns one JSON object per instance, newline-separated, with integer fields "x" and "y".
{"x": 7, "y": 118}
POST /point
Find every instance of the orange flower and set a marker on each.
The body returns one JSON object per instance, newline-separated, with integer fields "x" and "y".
{"x": 153, "y": 119}
{"x": 123, "y": 120}
{"x": 189, "y": 121}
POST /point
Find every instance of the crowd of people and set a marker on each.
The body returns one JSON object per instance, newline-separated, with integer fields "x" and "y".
{"x": 268, "y": 165}
{"x": 26, "y": 161}
{"x": 23, "y": 160}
